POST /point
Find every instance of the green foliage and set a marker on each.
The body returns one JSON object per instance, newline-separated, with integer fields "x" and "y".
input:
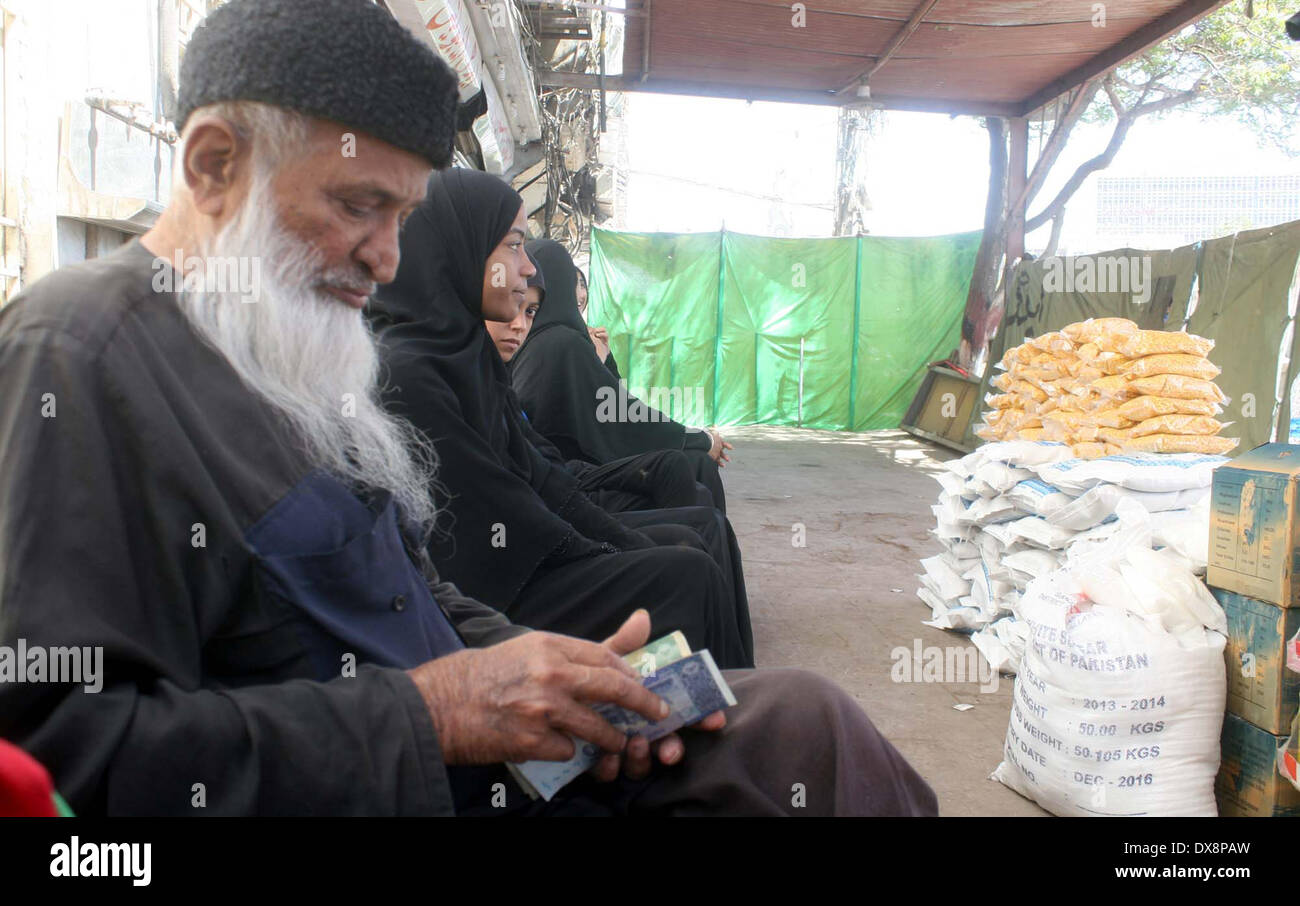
{"x": 1228, "y": 63}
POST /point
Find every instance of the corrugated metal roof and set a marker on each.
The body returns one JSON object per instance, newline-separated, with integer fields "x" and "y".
{"x": 963, "y": 56}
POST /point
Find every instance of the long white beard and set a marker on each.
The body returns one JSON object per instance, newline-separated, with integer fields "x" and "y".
{"x": 309, "y": 355}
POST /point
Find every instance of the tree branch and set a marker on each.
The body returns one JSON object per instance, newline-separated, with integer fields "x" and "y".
{"x": 1054, "y": 239}
{"x": 1103, "y": 160}
{"x": 1056, "y": 141}
{"x": 1086, "y": 169}
{"x": 1109, "y": 84}
{"x": 1146, "y": 90}
{"x": 1166, "y": 103}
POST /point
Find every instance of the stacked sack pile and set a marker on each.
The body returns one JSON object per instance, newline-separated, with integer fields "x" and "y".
{"x": 1012, "y": 512}
{"x": 1104, "y": 386}
{"x": 1088, "y": 417}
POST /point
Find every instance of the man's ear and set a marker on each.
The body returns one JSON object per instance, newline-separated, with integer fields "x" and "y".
{"x": 214, "y": 157}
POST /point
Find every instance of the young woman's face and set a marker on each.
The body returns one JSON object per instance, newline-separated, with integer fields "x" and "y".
{"x": 505, "y": 276}
{"x": 510, "y": 335}
{"x": 581, "y": 292}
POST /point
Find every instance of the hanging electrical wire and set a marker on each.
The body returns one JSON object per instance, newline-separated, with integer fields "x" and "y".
{"x": 570, "y": 133}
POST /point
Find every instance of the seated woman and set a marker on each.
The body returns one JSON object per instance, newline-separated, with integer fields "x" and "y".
{"x": 520, "y": 536}
{"x": 661, "y": 479}
{"x": 599, "y": 335}
{"x": 559, "y": 378}
{"x": 651, "y": 491}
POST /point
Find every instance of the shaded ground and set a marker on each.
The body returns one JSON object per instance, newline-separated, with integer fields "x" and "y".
{"x": 842, "y": 603}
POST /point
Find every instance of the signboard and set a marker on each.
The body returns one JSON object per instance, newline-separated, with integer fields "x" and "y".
{"x": 453, "y": 37}
{"x": 449, "y": 29}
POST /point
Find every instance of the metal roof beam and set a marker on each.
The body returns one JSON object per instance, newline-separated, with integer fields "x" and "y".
{"x": 590, "y": 81}
{"x": 900, "y": 36}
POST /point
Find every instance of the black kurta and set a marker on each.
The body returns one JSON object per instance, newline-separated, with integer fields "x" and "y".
{"x": 152, "y": 506}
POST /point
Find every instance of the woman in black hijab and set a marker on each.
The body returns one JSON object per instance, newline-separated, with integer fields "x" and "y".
{"x": 520, "y": 535}
{"x": 599, "y": 336}
{"x": 653, "y": 492}
{"x": 559, "y": 378}
{"x": 663, "y": 479}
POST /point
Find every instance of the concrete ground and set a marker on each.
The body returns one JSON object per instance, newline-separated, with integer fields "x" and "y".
{"x": 846, "y": 600}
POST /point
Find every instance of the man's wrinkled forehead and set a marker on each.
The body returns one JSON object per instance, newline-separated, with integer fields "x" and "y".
{"x": 368, "y": 168}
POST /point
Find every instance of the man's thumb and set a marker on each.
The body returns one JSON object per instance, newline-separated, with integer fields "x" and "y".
{"x": 634, "y": 633}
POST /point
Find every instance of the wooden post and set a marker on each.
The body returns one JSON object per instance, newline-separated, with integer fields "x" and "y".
{"x": 1017, "y": 173}
{"x": 984, "y": 275}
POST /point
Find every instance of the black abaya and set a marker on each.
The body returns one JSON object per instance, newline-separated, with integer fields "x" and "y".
{"x": 521, "y": 536}
{"x": 661, "y": 479}
{"x": 714, "y": 529}
{"x": 559, "y": 378}
{"x": 654, "y": 493}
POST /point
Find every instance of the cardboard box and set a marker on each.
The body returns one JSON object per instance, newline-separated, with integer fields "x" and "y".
{"x": 1261, "y": 689}
{"x": 1253, "y": 525}
{"x": 1249, "y": 785}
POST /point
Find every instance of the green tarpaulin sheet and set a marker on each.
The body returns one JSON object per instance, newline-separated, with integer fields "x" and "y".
{"x": 729, "y": 329}
{"x": 1245, "y": 305}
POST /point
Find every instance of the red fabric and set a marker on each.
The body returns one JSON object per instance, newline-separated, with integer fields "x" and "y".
{"x": 25, "y": 786}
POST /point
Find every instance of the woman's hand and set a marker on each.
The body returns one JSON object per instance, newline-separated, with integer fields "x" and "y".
{"x": 600, "y": 336}
{"x": 718, "y": 449}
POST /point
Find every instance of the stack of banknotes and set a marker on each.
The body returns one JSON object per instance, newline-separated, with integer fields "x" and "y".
{"x": 691, "y": 684}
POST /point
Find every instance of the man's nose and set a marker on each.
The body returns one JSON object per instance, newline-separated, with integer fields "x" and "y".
{"x": 381, "y": 251}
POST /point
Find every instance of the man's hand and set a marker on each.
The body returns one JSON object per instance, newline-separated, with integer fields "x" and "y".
{"x": 718, "y": 450}
{"x": 632, "y": 635}
{"x": 520, "y": 700}
{"x": 600, "y": 336}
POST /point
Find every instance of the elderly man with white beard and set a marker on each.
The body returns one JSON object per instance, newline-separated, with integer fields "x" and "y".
{"x": 203, "y": 486}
